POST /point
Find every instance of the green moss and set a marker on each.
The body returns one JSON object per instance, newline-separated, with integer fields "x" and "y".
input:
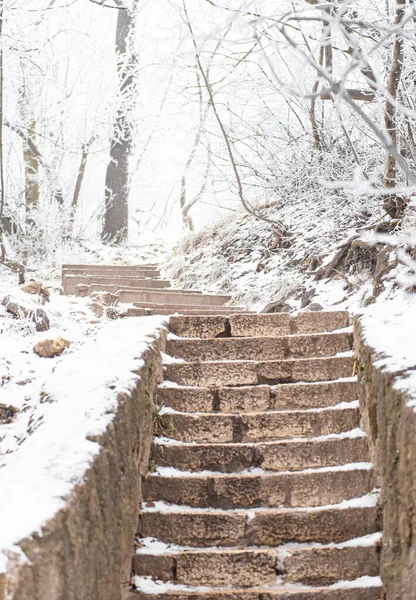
{"x": 162, "y": 423}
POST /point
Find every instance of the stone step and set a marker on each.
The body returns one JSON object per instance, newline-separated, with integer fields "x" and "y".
{"x": 260, "y": 349}
{"x": 218, "y": 568}
{"x": 99, "y": 268}
{"x": 257, "y": 398}
{"x": 171, "y": 309}
{"x": 287, "y": 455}
{"x": 320, "y": 487}
{"x": 179, "y": 310}
{"x": 89, "y": 290}
{"x": 70, "y": 283}
{"x": 260, "y": 325}
{"x": 199, "y": 326}
{"x": 255, "y": 427}
{"x": 178, "y": 297}
{"x": 173, "y": 291}
{"x": 116, "y": 272}
{"x": 116, "y": 288}
{"x": 237, "y": 373}
{"x": 185, "y": 526}
{"x": 249, "y": 567}
{"x": 354, "y": 591}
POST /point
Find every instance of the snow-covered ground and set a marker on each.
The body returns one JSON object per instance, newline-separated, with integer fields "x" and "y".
{"x": 59, "y": 402}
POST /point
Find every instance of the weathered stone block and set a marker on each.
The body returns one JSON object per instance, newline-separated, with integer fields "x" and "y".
{"x": 391, "y": 427}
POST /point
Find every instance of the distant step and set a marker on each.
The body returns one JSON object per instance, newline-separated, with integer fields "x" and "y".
{"x": 151, "y": 308}
{"x": 110, "y": 268}
{"x": 178, "y": 297}
{"x": 352, "y": 590}
{"x": 101, "y": 283}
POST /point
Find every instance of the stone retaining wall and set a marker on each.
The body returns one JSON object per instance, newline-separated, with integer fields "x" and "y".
{"x": 85, "y": 551}
{"x": 391, "y": 426}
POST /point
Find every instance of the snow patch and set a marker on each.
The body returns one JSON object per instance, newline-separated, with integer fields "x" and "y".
{"x": 170, "y": 360}
{"x": 160, "y": 506}
{"x": 257, "y": 471}
{"x": 147, "y": 585}
{"x": 361, "y": 582}
{"x": 80, "y": 401}
{"x": 392, "y": 333}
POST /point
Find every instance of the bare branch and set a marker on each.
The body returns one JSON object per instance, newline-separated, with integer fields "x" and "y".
{"x": 245, "y": 204}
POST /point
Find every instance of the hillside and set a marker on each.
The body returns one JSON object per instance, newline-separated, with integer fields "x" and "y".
{"x": 314, "y": 256}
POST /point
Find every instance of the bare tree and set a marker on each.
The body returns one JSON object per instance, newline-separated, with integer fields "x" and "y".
{"x": 115, "y": 229}
{"x": 392, "y": 204}
{"x": 78, "y": 184}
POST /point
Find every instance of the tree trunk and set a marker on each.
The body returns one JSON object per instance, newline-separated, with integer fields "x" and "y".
{"x": 78, "y": 185}
{"x": 2, "y": 192}
{"x": 115, "y": 229}
{"x": 31, "y": 175}
{"x": 393, "y": 90}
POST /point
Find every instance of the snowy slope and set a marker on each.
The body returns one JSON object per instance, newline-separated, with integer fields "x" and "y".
{"x": 71, "y": 401}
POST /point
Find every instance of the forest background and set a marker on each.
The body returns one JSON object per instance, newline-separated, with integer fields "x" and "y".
{"x": 124, "y": 120}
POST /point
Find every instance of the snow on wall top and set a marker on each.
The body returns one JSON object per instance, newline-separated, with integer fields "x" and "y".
{"x": 83, "y": 390}
{"x": 390, "y": 328}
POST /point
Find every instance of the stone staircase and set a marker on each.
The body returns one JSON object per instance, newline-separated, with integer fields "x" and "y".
{"x": 260, "y": 486}
{"x": 142, "y": 287}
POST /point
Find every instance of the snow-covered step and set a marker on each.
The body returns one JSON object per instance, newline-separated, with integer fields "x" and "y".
{"x": 232, "y": 373}
{"x": 260, "y": 349}
{"x": 293, "y": 455}
{"x": 364, "y": 588}
{"x": 210, "y": 567}
{"x": 102, "y": 282}
{"x": 316, "y": 564}
{"x": 178, "y": 297}
{"x": 205, "y": 527}
{"x": 255, "y": 427}
{"x": 314, "y": 487}
{"x": 257, "y": 398}
{"x": 152, "y": 308}
{"x": 113, "y": 269}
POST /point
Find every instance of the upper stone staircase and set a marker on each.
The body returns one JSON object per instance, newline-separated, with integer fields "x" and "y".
{"x": 142, "y": 287}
